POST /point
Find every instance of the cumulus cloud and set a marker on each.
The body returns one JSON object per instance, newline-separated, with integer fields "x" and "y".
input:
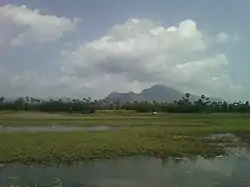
{"x": 33, "y": 83}
{"x": 129, "y": 57}
{"x": 24, "y": 79}
{"x": 223, "y": 37}
{"x": 21, "y": 25}
{"x": 137, "y": 46}
{"x": 144, "y": 52}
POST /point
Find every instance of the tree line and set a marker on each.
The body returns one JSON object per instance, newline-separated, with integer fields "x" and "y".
{"x": 88, "y": 106}
{"x": 85, "y": 105}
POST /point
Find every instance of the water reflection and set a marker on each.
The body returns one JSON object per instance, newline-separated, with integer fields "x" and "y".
{"x": 233, "y": 170}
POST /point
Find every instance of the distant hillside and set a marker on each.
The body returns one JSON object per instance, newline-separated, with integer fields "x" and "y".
{"x": 125, "y": 97}
{"x": 159, "y": 93}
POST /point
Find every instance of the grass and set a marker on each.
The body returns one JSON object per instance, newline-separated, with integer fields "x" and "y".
{"x": 68, "y": 147}
{"x": 161, "y": 136}
{"x": 121, "y": 119}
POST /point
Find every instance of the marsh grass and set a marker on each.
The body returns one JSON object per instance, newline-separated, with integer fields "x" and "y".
{"x": 162, "y": 136}
{"x": 69, "y": 147}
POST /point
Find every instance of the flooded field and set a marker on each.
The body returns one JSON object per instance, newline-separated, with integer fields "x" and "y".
{"x": 78, "y": 151}
{"x": 56, "y": 129}
{"x": 232, "y": 170}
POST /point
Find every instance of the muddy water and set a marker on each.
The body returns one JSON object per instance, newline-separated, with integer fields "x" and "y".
{"x": 228, "y": 171}
{"x": 56, "y": 129}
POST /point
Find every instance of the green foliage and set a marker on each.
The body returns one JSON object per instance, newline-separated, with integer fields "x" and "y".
{"x": 87, "y": 106}
{"x": 69, "y": 147}
{"x": 160, "y": 136}
{"x": 84, "y": 106}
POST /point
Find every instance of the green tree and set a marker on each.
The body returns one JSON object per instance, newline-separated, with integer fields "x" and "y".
{"x": 1, "y": 102}
{"x": 203, "y": 97}
{"x": 188, "y": 95}
{"x": 20, "y": 103}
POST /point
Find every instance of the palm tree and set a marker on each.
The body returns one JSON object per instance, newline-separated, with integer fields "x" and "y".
{"x": 89, "y": 99}
{"x": 26, "y": 102}
{"x": 32, "y": 100}
{"x": 1, "y": 102}
{"x": 117, "y": 104}
{"x": 188, "y": 95}
{"x": 20, "y": 103}
{"x": 203, "y": 97}
{"x": 2, "y": 99}
{"x": 27, "y": 98}
{"x": 247, "y": 103}
{"x": 207, "y": 100}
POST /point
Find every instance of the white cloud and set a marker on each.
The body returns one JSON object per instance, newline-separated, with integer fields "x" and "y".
{"x": 129, "y": 57}
{"x": 141, "y": 51}
{"x": 138, "y": 44}
{"x": 26, "y": 78}
{"x": 222, "y": 37}
{"x": 32, "y": 83}
{"x": 193, "y": 70}
{"x": 23, "y": 25}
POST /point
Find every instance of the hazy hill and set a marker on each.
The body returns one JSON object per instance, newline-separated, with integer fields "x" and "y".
{"x": 159, "y": 93}
{"x": 125, "y": 97}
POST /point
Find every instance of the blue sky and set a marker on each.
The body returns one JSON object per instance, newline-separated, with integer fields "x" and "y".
{"x": 79, "y": 48}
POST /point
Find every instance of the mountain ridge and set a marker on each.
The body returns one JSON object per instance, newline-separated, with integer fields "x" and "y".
{"x": 158, "y": 93}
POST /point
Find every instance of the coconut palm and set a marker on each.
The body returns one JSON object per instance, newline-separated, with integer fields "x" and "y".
{"x": 2, "y": 99}
{"x": 187, "y": 95}
{"x": 203, "y": 97}
{"x": 1, "y": 102}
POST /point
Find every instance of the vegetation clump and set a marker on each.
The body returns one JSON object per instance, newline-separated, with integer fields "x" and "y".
{"x": 88, "y": 106}
{"x": 166, "y": 136}
{"x": 171, "y": 133}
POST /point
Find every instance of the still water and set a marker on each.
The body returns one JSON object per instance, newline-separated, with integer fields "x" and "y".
{"x": 233, "y": 170}
{"x": 56, "y": 128}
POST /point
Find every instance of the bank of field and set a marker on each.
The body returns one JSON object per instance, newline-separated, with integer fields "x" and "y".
{"x": 162, "y": 136}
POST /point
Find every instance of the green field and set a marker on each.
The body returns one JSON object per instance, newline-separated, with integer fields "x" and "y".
{"x": 124, "y": 119}
{"x": 162, "y": 136}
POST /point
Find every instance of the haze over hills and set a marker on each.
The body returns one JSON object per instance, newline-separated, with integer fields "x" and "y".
{"x": 159, "y": 93}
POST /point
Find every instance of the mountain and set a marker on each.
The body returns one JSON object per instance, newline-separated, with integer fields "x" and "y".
{"x": 125, "y": 97}
{"x": 159, "y": 93}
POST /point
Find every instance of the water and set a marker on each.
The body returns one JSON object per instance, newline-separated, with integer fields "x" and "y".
{"x": 218, "y": 136}
{"x": 56, "y": 128}
{"x": 228, "y": 171}
{"x": 223, "y": 135}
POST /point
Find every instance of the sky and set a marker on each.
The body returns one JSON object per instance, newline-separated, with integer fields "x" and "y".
{"x": 83, "y": 48}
